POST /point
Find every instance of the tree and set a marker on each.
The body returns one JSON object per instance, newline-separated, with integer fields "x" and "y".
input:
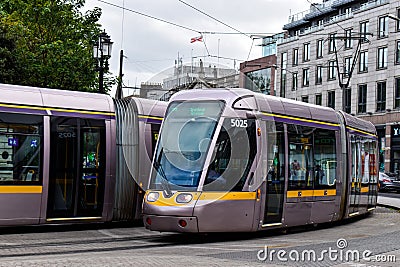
{"x": 48, "y": 43}
{"x": 8, "y": 61}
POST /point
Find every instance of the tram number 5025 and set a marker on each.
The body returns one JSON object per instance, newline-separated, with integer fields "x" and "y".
{"x": 239, "y": 123}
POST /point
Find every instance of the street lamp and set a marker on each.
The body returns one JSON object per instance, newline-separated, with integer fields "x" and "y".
{"x": 102, "y": 52}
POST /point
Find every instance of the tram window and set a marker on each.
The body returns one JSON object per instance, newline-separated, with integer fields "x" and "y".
{"x": 364, "y": 168}
{"x": 183, "y": 143}
{"x": 233, "y": 155}
{"x": 276, "y": 152}
{"x": 155, "y": 129}
{"x": 301, "y": 161}
{"x": 20, "y": 148}
{"x": 324, "y": 159}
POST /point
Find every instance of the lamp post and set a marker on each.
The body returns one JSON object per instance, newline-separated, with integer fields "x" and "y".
{"x": 102, "y": 52}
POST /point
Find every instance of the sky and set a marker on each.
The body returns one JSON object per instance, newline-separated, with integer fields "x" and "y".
{"x": 151, "y": 47}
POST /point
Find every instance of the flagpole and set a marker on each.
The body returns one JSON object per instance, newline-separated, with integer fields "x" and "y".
{"x": 218, "y": 59}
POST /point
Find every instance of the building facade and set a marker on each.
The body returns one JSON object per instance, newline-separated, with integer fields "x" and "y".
{"x": 184, "y": 75}
{"x": 345, "y": 54}
{"x": 259, "y": 74}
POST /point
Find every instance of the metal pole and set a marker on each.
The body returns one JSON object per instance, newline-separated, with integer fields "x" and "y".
{"x": 101, "y": 75}
{"x": 119, "y": 93}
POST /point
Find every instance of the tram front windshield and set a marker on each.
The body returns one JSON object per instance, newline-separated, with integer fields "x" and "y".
{"x": 185, "y": 138}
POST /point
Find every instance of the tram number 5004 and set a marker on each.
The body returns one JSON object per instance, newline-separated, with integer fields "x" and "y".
{"x": 239, "y": 123}
{"x": 62, "y": 135}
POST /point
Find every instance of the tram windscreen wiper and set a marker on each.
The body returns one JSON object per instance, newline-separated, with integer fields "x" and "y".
{"x": 164, "y": 180}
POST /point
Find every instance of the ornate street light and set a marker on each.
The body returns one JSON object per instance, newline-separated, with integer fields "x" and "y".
{"x": 102, "y": 52}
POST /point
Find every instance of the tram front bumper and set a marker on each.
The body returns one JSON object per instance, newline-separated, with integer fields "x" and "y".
{"x": 171, "y": 223}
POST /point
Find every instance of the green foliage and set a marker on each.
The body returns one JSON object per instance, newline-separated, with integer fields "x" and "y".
{"x": 48, "y": 43}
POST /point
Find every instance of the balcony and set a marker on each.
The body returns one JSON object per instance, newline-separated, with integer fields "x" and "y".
{"x": 373, "y": 4}
{"x": 287, "y": 40}
{"x": 340, "y": 17}
{"x": 295, "y": 24}
{"x": 339, "y": 3}
{"x": 312, "y": 29}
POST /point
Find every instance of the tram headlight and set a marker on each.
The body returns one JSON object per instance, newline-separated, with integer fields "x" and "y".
{"x": 152, "y": 196}
{"x": 184, "y": 198}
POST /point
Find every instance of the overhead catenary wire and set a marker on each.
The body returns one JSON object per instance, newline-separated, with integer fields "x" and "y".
{"x": 211, "y": 17}
{"x": 223, "y": 23}
{"x": 185, "y": 27}
{"x": 149, "y": 16}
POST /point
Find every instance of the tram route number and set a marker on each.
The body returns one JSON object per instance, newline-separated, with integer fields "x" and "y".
{"x": 62, "y": 135}
{"x": 239, "y": 123}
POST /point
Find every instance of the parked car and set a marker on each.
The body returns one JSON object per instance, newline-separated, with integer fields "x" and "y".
{"x": 388, "y": 183}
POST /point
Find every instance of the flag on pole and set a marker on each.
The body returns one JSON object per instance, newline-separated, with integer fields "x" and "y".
{"x": 195, "y": 39}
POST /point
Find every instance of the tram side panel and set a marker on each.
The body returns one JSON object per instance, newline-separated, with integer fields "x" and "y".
{"x": 21, "y": 189}
{"x": 111, "y": 164}
{"x": 363, "y": 174}
{"x": 311, "y": 170}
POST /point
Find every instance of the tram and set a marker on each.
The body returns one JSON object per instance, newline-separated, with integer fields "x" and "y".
{"x": 230, "y": 160}
{"x": 71, "y": 157}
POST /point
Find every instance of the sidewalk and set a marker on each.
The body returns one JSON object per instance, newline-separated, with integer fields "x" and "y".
{"x": 389, "y": 202}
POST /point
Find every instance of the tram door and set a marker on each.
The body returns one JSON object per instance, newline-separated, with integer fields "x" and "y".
{"x": 276, "y": 175}
{"x": 77, "y": 168}
{"x": 356, "y": 174}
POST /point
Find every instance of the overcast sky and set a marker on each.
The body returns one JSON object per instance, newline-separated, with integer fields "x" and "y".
{"x": 152, "y": 46}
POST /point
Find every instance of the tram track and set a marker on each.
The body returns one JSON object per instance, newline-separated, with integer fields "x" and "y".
{"x": 74, "y": 242}
{"x": 81, "y": 246}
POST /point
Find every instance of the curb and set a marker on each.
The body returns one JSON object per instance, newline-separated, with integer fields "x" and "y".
{"x": 388, "y": 206}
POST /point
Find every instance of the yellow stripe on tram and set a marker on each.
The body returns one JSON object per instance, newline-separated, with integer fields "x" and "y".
{"x": 228, "y": 196}
{"x": 311, "y": 193}
{"x": 58, "y": 109}
{"x": 20, "y": 189}
{"x": 150, "y": 117}
{"x": 364, "y": 189}
{"x": 299, "y": 119}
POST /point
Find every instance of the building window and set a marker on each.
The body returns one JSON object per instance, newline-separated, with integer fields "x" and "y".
{"x": 397, "y": 59}
{"x": 331, "y": 70}
{"x": 295, "y": 57}
{"x": 304, "y": 99}
{"x": 348, "y": 43}
{"x": 318, "y": 75}
{"x": 347, "y": 66}
{"x": 362, "y": 98}
{"x": 294, "y": 81}
{"x": 382, "y": 58}
{"x": 347, "y": 100}
{"x": 306, "y": 77}
{"x": 332, "y": 43}
{"x": 331, "y": 99}
{"x": 383, "y": 27}
{"x": 320, "y": 48}
{"x": 363, "y": 62}
{"x": 397, "y": 93}
{"x": 364, "y": 30}
{"x": 381, "y": 96}
{"x": 318, "y": 99}
{"x": 306, "y": 52}
{"x": 259, "y": 81}
{"x": 283, "y": 74}
{"x": 21, "y": 146}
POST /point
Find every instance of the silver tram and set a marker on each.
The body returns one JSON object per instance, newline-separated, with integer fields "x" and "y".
{"x": 234, "y": 160}
{"x": 72, "y": 156}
